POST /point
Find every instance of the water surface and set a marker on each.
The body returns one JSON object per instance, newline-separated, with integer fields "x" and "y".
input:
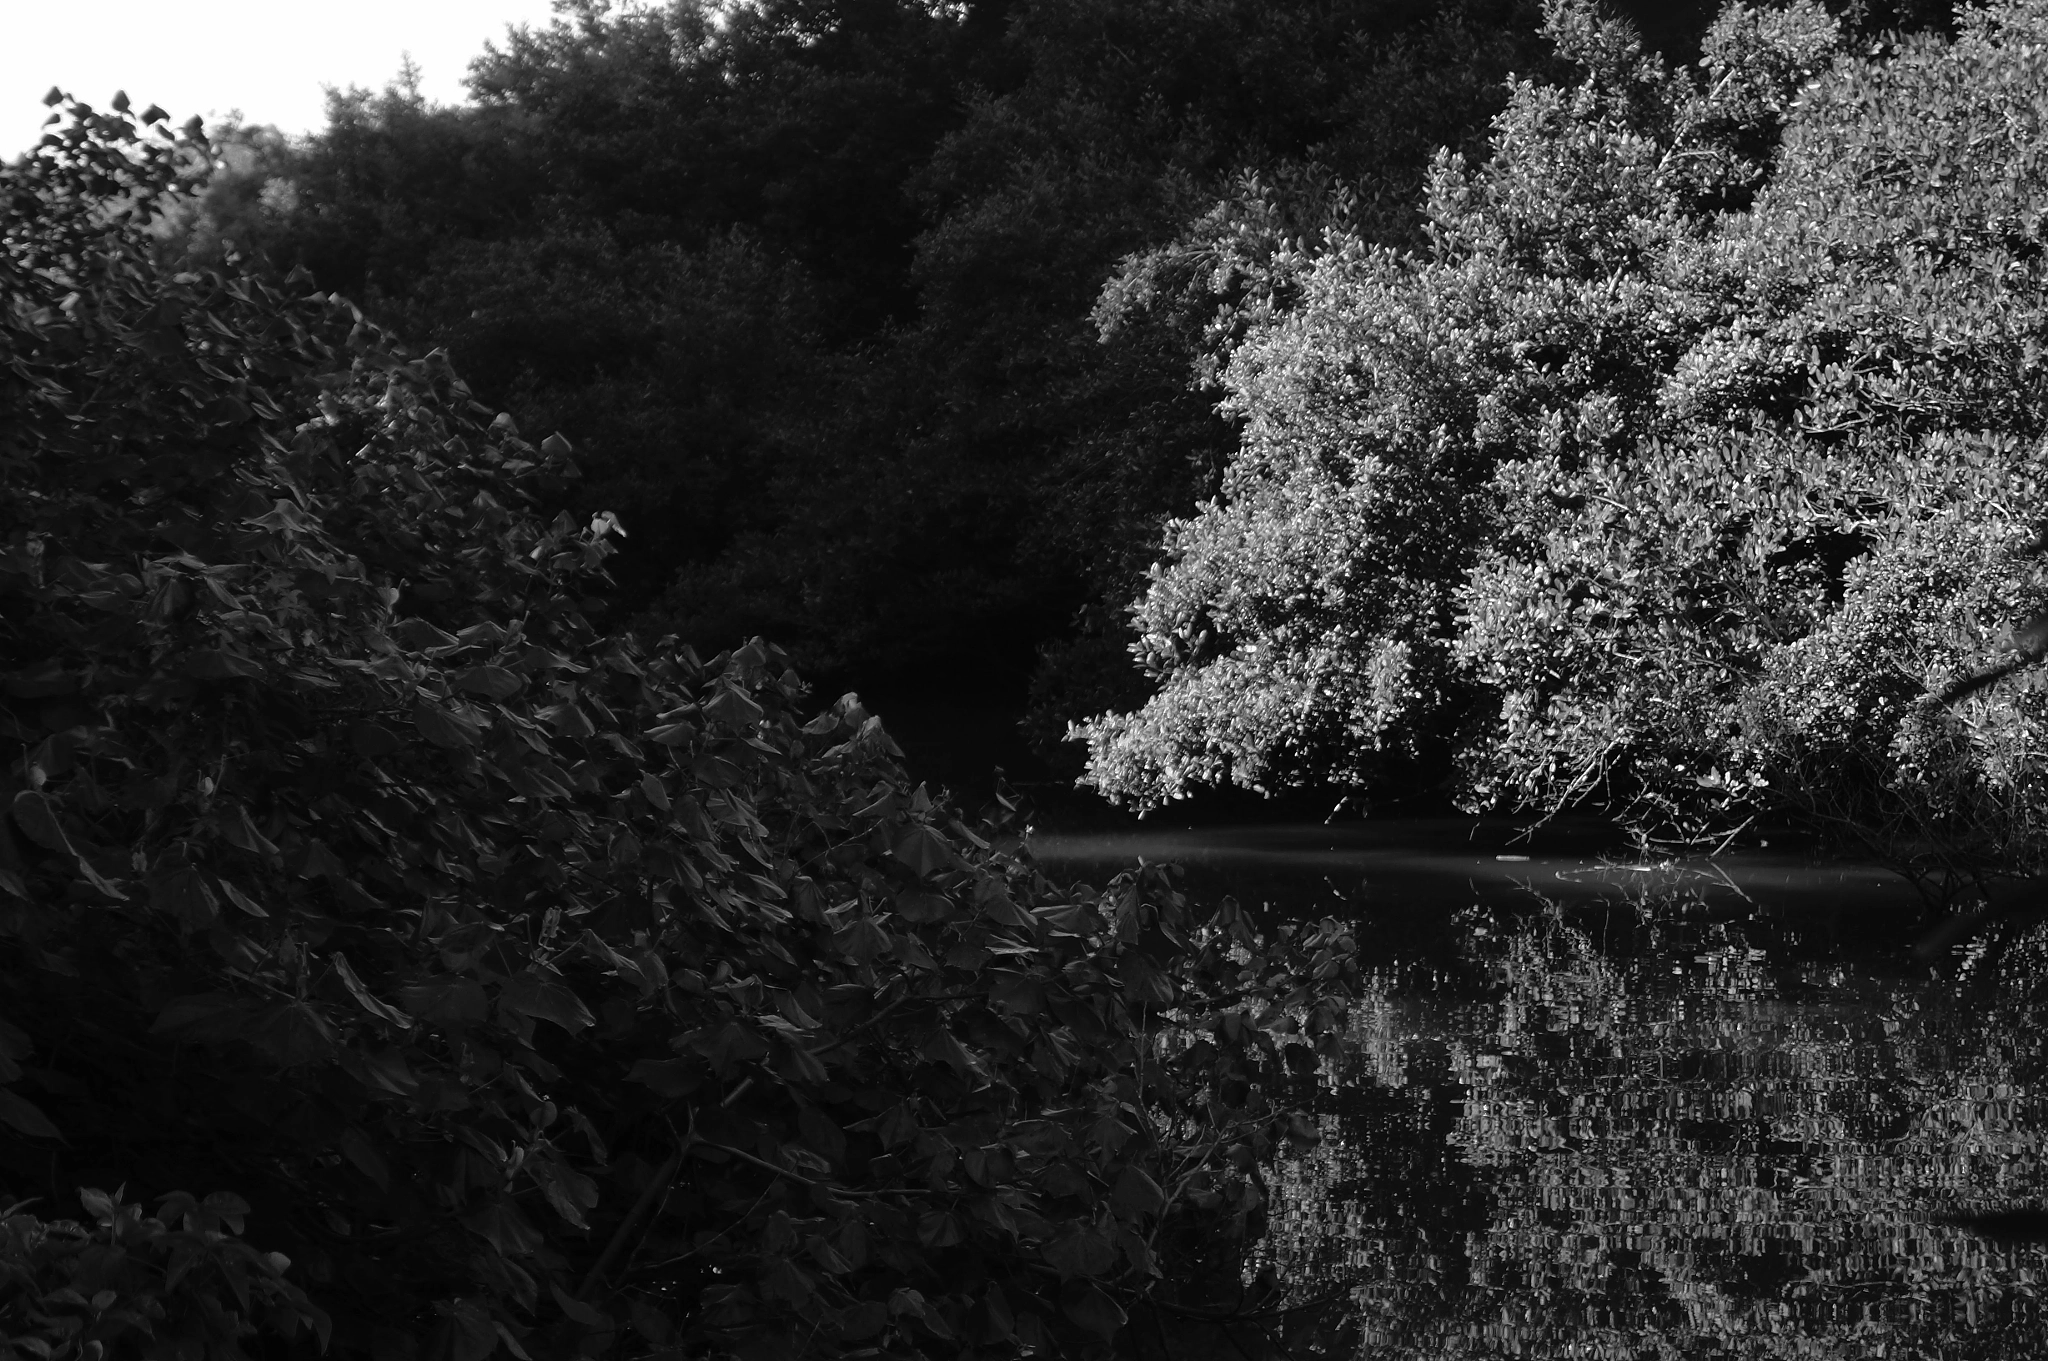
{"x": 1676, "y": 1110}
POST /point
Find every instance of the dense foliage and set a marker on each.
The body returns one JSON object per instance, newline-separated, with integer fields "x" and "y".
{"x": 436, "y": 975}
{"x": 813, "y": 283}
{"x": 1695, "y": 453}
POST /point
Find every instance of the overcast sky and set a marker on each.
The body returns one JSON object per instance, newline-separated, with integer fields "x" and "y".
{"x": 267, "y": 58}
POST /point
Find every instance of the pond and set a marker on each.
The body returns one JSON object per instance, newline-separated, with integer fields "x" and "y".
{"x": 1715, "y": 1109}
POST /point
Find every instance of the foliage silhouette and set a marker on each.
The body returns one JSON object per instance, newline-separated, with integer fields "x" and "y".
{"x": 511, "y": 984}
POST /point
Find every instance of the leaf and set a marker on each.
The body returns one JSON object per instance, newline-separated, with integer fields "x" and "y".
{"x": 101, "y": 1206}
{"x": 1001, "y": 1321}
{"x": 944, "y": 1047}
{"x": 241, "y": 899}
{"x": 897, "y": 1126}
{"x": 567, "y": 719}
{"x": 183, "y": 895}
{"x": 991, "y": 899}
{"x": 734, "y": 709}
{"x": 863, "y": 1320}
{"x": 921, "y": 907}
{"x": 15, "y": 1044}
{"x": 494, "y": 682}
{"x": 383, "y": 1011}
{"x": 21, "y": 1114}
{"x": 358, "y": 1149}
{"x": 579, "y": 1312}
{"x": 447, "y": 1001}
{"x": 545, "y": 998}
{"x": 222, "y": 664}
{"x": 500, "y": 1224}
{"x": 1018, "y": 994}
{"x": 827, "y": 1256}
{"x": 924, "y": 851}
{"x": 936, "y": 1229}
{"x": 1137, "y": 1193}
{"x": 240, "y": 831}
{"x": 1089, "y": 1308}
{"x": 443, "y": 728}
{"x": 386, "y": 1072}
{"x": 38, "y": 822}
{"x": 822, "y": 1134}
{"x": 372, "y": 741}
{"x": 671, "y": 1078}
{"x": 311, "y": 859}
{"x": 1081, "y": 1252}
{"x": 97, "y": 881}
{"x": 293, "y": 1033}
{"x": 650, "y": 1322}
{"x": 420, "y": 636}
{"x": 727, "y": 1045}
{"x": 567, "y": 1190}
{"x": 472, "y": 1335}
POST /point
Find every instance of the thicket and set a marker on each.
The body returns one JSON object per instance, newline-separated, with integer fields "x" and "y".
{"x": 1693, "y": 458}
{"x": 815, "y": 285}
{"x": 392, "y": 964}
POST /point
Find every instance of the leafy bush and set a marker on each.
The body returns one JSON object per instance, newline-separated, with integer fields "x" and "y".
{"x": 1697, "y": 452}
{"x": 526, "y": 987}
{"x": 180, "y": 1283}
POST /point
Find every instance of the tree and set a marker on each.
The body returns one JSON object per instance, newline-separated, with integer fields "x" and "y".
{"x": 1695, "y": 449}
{"x": 511, "y": 984}
{"x": 1010, "y": 454}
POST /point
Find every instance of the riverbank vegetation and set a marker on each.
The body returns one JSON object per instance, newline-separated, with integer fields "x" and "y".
{"x": 430, "y": 928}
{"x": 496, "y": 984}
{"x": 1690, "y": 462}
{"x": 813, "y": 286}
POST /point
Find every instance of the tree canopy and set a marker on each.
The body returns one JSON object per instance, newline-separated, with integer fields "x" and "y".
{"x": 814, "y": 284}
{"x": 1694, "y": 453}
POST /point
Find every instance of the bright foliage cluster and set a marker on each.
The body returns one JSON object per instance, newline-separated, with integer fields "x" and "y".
{"x": 512, "y": 986}
{"x": 1698, "y": 448}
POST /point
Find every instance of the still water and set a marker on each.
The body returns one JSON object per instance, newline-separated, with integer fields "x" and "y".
{"x": 1675, "y": 1110}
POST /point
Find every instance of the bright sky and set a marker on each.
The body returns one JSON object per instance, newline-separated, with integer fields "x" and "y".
{"x": 267, "y": 58}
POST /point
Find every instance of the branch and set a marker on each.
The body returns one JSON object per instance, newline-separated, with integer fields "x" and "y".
{"x": 803, "y": 1180}
{"x": 655, "y": 1188}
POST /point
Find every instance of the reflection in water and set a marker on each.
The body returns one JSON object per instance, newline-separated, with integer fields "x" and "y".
{"x": 1685, "y": 1120}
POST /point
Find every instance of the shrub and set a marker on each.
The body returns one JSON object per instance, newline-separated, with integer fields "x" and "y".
{"x": 527, "y": 988}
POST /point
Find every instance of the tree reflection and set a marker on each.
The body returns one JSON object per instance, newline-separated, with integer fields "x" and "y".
{"x": 1696, "y": 1138}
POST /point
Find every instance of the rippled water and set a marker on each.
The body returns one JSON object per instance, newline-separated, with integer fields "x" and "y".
{"x": 1684, "y": 1111}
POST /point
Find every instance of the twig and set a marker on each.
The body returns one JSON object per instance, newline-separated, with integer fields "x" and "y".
{"x": 686, "y": 1255}
{"x": 658, "y": 1186}
{"x": 803, "y": 1180}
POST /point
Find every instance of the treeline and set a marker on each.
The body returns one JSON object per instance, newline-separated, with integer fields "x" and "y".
{"x": 885, "y": 326}
{"x": 893, "y": 331}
